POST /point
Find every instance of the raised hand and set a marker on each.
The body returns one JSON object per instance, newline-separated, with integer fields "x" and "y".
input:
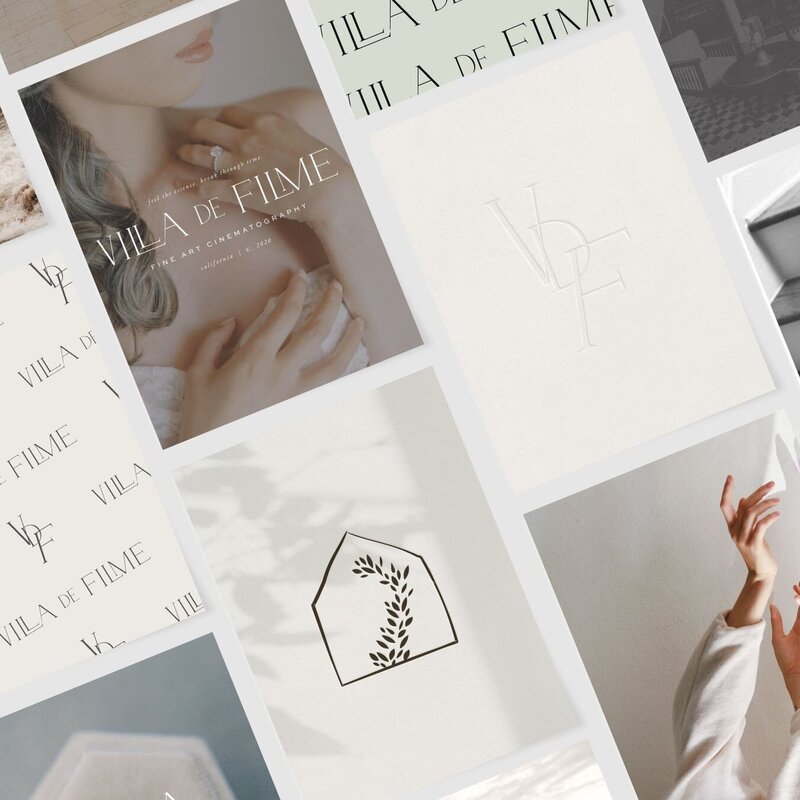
{"x": 787, "y": 650}
{"x": 748, "y": 522}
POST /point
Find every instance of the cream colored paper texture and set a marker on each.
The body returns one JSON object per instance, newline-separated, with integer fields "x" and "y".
{"x": 572, "y": 262}
{"x": 390, "y": 466}
{"x": 88, "y": 559}
{"x": 386, "y": 51}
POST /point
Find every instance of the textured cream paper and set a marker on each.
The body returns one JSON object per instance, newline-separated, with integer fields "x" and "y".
{"x": 388, "y": 465}
{"x": 566, "y": 373}
{"x": 61, "y": 601}
{"x": 386, "y": 51}
{"x": 569, "y": 774}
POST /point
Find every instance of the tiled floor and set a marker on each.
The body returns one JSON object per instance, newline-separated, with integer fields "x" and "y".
{"x": 33, "y": 30}
{"x": 735, "y": 125}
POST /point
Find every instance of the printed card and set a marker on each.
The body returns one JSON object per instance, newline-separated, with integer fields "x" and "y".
{"x": 374, "y": 597}
{"x": 572, "y": 262}
{"x": 88, "y": 558}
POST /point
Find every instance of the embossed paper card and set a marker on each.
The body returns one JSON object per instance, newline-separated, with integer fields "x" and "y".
{"x": 88, "y": 559}
{"x": 572, "y": 262}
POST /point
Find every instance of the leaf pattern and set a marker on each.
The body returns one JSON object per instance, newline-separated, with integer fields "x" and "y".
{"x": 392, "y": 643}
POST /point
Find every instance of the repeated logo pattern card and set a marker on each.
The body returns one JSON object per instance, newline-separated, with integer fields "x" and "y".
{"x": 87, "y": 555}
{"x": 387, "y": 51}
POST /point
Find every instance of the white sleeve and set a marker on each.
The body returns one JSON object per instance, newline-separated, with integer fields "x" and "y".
{"x": 709, "y": 715}
{"x": 787, "y": 784}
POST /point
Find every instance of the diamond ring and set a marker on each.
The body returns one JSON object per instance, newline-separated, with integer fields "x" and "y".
{"x": 215, "y": 152}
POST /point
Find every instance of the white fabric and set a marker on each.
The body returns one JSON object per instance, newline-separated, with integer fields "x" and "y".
{"x": 162, "y": 388}
{"x": 709, "y": 719}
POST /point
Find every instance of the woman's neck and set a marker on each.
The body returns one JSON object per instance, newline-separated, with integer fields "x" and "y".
{"x": 134, "y": 138}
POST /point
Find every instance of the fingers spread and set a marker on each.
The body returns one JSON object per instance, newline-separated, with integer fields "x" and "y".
{"x": 726, "y": 501}
{"x": 334, "y": 364}
{"x": 760, "y": 493}
{"x": 763, "y": 525}
{"x": 272, "y": 335}
{"x": 305, "y": 344}
{"x": 209, "y": 349}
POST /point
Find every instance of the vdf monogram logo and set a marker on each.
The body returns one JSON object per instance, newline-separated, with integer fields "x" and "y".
{"x": 54, "y": 276}
{"x": 560, "y": 255}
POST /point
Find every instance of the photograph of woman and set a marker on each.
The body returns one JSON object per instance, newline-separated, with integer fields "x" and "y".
{"x": 686, "y": 618}
{"x": 229, "y": 239}
{"x": 715, "y": 692}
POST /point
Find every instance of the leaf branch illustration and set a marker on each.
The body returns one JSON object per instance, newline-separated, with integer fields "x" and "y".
{"x": 393, "y": 640}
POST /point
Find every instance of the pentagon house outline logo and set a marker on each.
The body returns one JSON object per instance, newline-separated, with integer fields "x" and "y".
{"x": 379, "y": 607}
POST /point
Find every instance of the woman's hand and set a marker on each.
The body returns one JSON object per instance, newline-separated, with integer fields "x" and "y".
{"x": 748, "y": 523}
{"x": 278, "y": 361}
{"x": 256, "y": 142}
{"x": 787, "y": 650}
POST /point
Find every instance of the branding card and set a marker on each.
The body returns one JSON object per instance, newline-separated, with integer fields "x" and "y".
{"x": 220, "y": 218}
{"x": 87, "y": 555}
{"x": 374, "y": 597}
{"x": 388, "y": 51}
{"x": 572, "y": 262}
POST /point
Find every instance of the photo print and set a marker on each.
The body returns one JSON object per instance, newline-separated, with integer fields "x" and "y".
{"x": 88, "y": 557}
{"x": 20, "y": 211}
{"x": 665, "y": 575}
{"x": 578, "y": 278}
{"x": 764, "y": 199}
{"x": 736, "y": 64}
{"x": 169, "y": 726}
{"x": 569, "y": 774}
{"x": 31, "y": 32}
{"x": 387, "y": 467}
{"x": 224, "y": 227}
